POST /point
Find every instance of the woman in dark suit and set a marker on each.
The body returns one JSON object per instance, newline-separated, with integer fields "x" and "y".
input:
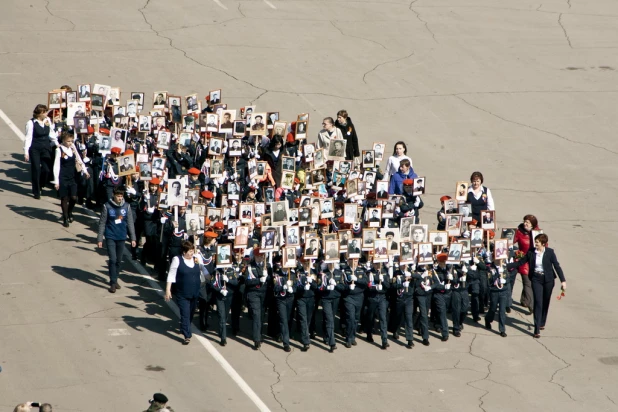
{"x": 543, "y": 269}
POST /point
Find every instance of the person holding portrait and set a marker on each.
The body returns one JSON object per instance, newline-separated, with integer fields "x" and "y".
{"x": 348, "y": 131}
{"x": 523, "y": 239}
{"x": 479, "y": 196}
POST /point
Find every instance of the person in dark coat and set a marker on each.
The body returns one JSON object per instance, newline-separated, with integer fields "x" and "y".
{"x": 543, "y": 268}
{"x": 348, "y": 131}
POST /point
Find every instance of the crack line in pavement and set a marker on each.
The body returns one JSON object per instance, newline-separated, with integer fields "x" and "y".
{"x": 356, "y": 37}
{"x": 27, "y": 249}
{"x": 534, "y": 128}
{"x": 258, "y": 98}
{"x": 58, "y": 17}
{"x": 418, "y": 16}
{"x": 171, "y": 43}
{"x": 567, "y": 365}
{"x": 568, "y": 39}
{"x": 610, "y": 399}
{"x": 569, "y": 3}
{"x": 386, "y": 62}
{"x": 272, "y": 387}
{"x": 288, "y": 363}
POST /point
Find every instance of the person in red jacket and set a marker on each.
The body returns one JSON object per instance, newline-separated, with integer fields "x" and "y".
{"x": 523, "y": 239}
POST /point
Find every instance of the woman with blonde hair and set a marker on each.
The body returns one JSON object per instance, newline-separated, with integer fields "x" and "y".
{"x": 68, "y": 165}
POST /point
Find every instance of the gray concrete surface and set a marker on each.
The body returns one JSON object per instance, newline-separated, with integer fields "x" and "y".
{"x": 524, "y": 91}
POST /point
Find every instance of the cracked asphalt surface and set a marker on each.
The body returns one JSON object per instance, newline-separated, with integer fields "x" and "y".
{"x": 524, "y": 91}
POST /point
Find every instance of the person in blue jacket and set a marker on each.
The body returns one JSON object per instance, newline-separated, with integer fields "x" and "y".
{"x": 405, "y": 172}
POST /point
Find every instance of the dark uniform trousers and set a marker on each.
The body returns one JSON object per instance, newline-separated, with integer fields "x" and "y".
{"x": 475, "y": 302}
{"x": 223, "y": 309}
{"x": 255, "y": 299}
{"x": 424, "y": 303}
{"x": 353, "y": 306}
{"x": 402, "y": 309}
{"x": 460, "y": 303}
{"x": 442, "y": 302}
{"x": 542, "y": 292}
{"x": 498, "y": 297}
{"x": 329, "y": 308}
{"x": 304, "y": 310}
{"x": 285, "y": 304}
{"x": 379, "y": 303}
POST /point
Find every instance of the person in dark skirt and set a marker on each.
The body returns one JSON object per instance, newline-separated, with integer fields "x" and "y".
{"x": 40, "y": 137}
{"x": 479, "y": 197}
{"x": 543, "y": 269}
{"x": 66, "y": 176}
{"x": 186, "y": 273}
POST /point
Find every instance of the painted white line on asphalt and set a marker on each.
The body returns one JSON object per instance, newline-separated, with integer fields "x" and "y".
{"x": 14, "y": 128}
{"x": 272, "y": 6}
{"x": 155, "y": 285}
{"x": 220, "y": 4}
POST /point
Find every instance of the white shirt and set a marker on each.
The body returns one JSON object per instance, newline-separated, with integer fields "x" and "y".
{"x": 171, "y": 275}
{"x": 538, "y": 264}
{"x": 53, "y": 136}
{"x": 490, "y": 199}
{"x": 392, "y": 166}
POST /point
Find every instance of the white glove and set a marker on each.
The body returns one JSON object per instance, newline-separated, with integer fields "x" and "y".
{"x": 447, "y": 286}
{"x": 463, "y": 278}
{"x": 332, "y": 282}
{"x": 449, "y": 276}
{"x": 476, "y": 260}
{"x": 406, "y": 284}
{"x": 199, "y": 258}
{"x": 290, "y": 290}
{"x": 442, "y": 215}
{"x": 354, "y": 278}
{"x": 500, "y": 270}
{"x": 502, "y": 281}
{"x": 147, "y": 196}
{"x": 309, "y": 279}
{"x": 379, "y": 287}
{"x": 464, "y": 269}
{"x": 307, "y": 286}
{"x": 427, "y": 288}
{"x": 425, "y": 274}
{"x": 131, "y": 190}
{"x": 407, "y": 273}
{"x": 330, "y": 287}
{"x": 473, "y": 267}
{"x": 225, "y": 279}
{"x": 263, "y": 279}
{"x": 381, "y": 277}
{"x": 414, "y": 266}
{"x": 224, "y": 292}
{"x": 352, "y": 287}
{"x": 289, "y": 283}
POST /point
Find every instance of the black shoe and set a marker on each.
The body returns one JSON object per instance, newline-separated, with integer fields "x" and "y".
{"x": 353, "y": 343}
{"x": 347, "y": 345}
{"x": 134, "y": 257}
{"x": 203, "y": 327}
{"x": 384, "y": 346}
{"x": 117, "y": 285}
{"x": 332, "y": 348}
{"x": 305, "y": 348}
{"x": 65, "y": 224}
{"x": 287, "y": 348}
{"x": 234, "y": 332}
{"x": 457, "y": 334}
{"x": 410, "y": 344}
{"x": 477, "y": 319}
{"x": 112, "y": 289}
{"x": 279, "y": 339}
{"x": 482, "y": 310}
{"x": 369, "y": 338}
{"x": 396, "y": 336}
{"x": 256, "y": 345}
{"x": 444, "y": 338}
{"x": 37, "y": 196}
{"x": 223, "y": 342}
{"x": 503, "y": 334}
{"x": 70, "y": 218}
{"x": 426, "y": 342}
{"x": 487, "y": 324}
{"x": 312, "y": 335}
{"x": 508, "y": 310}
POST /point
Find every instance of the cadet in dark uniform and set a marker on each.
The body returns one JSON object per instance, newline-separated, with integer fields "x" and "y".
{"x": 152, "y": 222}
{"x": 305, "y": 304}
{"x": 206, "y": 293}
{"x": 401, "y": 296}
{"x": 460, "y": 301}
{"x": 284, "y": 290}
{"x": 442, "y": 294}
{"x": 222, "y": 286}
{"x": 330, "y": 292}
{"x": 499, "y": 294}
{"x": 474, "y": 286}
{"x": 353, "y": 296}
{"x": 255, "y": 288}
{"x": 423, "y": 292}
{"x": 377, "y": 287}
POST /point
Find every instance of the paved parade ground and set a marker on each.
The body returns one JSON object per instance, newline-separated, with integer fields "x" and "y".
{"x": 524, "y": 91}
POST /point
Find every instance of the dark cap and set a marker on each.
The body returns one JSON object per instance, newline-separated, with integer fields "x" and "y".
{"x": 159, "y": 397}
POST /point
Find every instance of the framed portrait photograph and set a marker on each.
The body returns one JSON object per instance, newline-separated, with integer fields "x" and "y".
{"x": 419, "y": 233}
{"x": 336, "y": 149}
{"x": 192, "y": 196}
{"x": 454, "y": 253}
{"x": 488, "y": 219}
{"x": 465, "y": 251}
{"x": 293, "y": 215}
{"x": 342, "y": 166}
{"x": 419, "y": 186}
{"x": 216, "y": 167}
{"x": 258, "y": 124}
{"x": 192, "y": 222}
{"x": 132, "y": 107}
{"x": 312, "y": 248}
{"x": 174, "y": 101}
{"x": 450, "y": 206}
{"x": 406, "y": 253}
{"x": 266, "y": 220}
{"x": 476, "y": 238}
{"x": 388, "y": 209}
{"x": 309, "y": 150}
{"x": 80, "y": 124}
{"x": 235, "y": 147}
{"x": 351, "y": 187}
{"x": 215, "y": 146}
{"x": 369, "y": 236}
{"x": 232, "y": 224}
{"x": 327, "y": 208}
{"x": 319, "y": 160}
{"x": 163, "y": 201}
{"x": 288, "y": 163}
{"x": 241, "y": 238}
{"x": 378, "y": 150}
{"x": 453, "y": 224}
{"x": 145, "y": 171}
{"x": 280, "y": 213}
{"x": 465, "y": 210}
{"x": 198, "y": 209}
{"x": 292, "y": 236}
{"x": 279, "y": 128}
{"x": 392, "y": 239}
{"x": 212, "y": 123}
{"x": 159, "y": 100}
{"x": 83, "y": 93}
{"x": 438, "y": 237}
{"x": 184, "y": 139}
{"x": 103, "y": 90}
{"x": 75, "y": 110}
{"x": 260, "y": 170}
{"x": 406, "y": 228}
{"x": 501, "y": 249}
{"x": 163, "y": 139}
{"x": 144, "y": 123}
{"x": 71, "y": 97}
{"x": 158, "y": 165}
{"x": 331, "y": 251}
{"x": 158, "y": 123}
{"x": 188, "y": 123}
{"x": 126, "y": 165}
{"x": 233, "y": 190}
{"x": 113, "y": 98}
{"x": 344, "y": 237}
{"x": 271, "y": 118}
{"x": 252, "y": 167}
{"x": 240, "y": 128}
{"x": 369, "y": 159}
{"x": 369, "y": 178}
{"x": 227, "y": 121}
{"x": 224, "y": 255}
{"x": 382, "y": 189}
{"x": 246, "y": 212}
{"x": 301, "y": 130}
{"x": 118, "y": 137}
{"x": 214, "y": 96}
{"x": 304, "y": 216}
{"x": 176, "y": 191}
{"x": 287, "y": 180}
{"x": 97, "y": 102}
{"x": 380, "y": 252}
{"x": 213, "y": 214}
{"x": 192, "y": 103}
{"x": 508, "y": 233}
{"x": 374, "y": 216}
{"x": 247, "y": 110}
{"x": 461, "y": 192}
{"x": 268, "y": 193}
{"x": 289, "y": 257}
{"x": 354, "y": 248}
{"x": 425, "y": 253}
{"x": 338, "y": 180}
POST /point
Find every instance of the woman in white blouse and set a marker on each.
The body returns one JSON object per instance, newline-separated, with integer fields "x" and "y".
{"x": 66, "y": 165}
{"x": 40, "y": 137}
{"x": 479, "y": 197}
{"x": 399, "y": 153}
{"x": 187, "y": 272}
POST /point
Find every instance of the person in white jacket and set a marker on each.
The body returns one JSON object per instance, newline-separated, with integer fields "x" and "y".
{"x": 328, "y": 133}
{"x": 400, "y": 152}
